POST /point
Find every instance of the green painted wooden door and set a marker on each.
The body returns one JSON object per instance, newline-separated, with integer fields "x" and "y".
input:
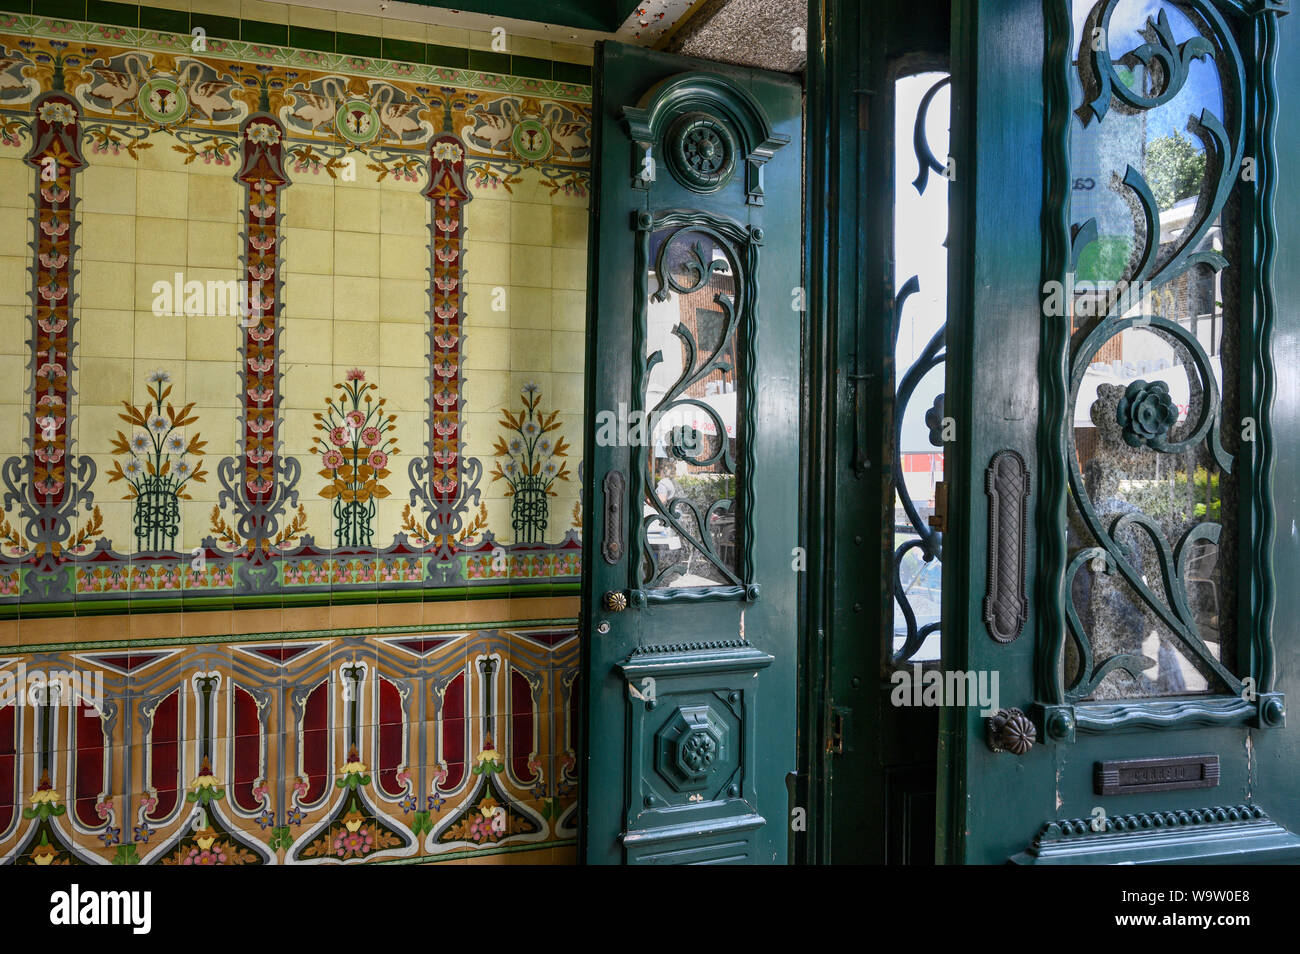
{"x": 1117, "y": 551}
{"x": 691, "y": 493}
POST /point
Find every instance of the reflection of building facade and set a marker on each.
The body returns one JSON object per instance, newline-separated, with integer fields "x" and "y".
{"x": 1095, "y": 149}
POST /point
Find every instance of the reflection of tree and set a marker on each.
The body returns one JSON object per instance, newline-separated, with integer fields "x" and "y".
{"x": 1175, "y": 169}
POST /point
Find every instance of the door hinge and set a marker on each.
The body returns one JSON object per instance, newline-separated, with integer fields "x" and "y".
{"x": 837, "y": 729}
{"x": 939, "y": 519}
{"x": 861, "y": 462}
{"x": 864, "y": 108}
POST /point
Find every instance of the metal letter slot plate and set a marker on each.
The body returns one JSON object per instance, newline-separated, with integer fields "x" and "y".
{"x": 1132, "y": 776}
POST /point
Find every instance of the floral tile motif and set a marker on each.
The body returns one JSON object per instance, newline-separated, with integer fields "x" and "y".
{"x": 357, "y": 438}
{"x": 211, "y": 521}
{"x": 534, "y": 461}
{"x": 159, "y": 462}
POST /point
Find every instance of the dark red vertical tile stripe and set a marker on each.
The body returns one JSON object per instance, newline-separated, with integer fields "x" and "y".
{"x": 315, "y": 742}
{"x": 247, "y": 748}
{"x": 453, "y": 732}
{"x": 164, "y": 756}
{"x": 521, "y": 725}
{"x": 390, "y": 736}
{"x": 8, "y": 764}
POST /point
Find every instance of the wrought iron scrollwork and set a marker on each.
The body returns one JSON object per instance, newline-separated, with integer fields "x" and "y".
{"x": 924, "y": 154}
{"x": 928, "y": 541}
{"x": 685, "y": 264}
{"x": 1142, "y": 417}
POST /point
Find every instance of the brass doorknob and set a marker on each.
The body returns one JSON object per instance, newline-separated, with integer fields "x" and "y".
{"x": 615, "y": 601}
{"x": 1010, "y": 730}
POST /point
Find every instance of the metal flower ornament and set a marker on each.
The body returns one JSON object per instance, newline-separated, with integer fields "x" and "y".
{"x": 1146, "y": 412}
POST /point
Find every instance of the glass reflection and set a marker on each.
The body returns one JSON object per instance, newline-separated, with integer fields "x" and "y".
{"x": 1146, "y": 390}
{"x": 692, "y": 395}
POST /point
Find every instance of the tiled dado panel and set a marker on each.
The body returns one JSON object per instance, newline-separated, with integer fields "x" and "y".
{"x": 417, "y": 743}
{"x": 397, "y": 411}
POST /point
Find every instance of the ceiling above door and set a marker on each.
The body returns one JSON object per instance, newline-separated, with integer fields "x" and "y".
{"x": 604, "y": 15}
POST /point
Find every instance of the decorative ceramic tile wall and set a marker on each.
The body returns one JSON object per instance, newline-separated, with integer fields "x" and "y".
{"x": 275, "y": 248}
{"x": 285, "y": 328}
{"x": 428, "y": 743}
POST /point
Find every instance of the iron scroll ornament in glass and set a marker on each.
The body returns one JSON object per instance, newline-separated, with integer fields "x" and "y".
{"x": 919, "y": 336}
{"x": 1150, "y": 582}
{"x": 695, "y": 342}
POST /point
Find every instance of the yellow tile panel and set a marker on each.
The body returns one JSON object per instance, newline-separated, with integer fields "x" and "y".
{"x": 264, "y": 12}
{"x": 405, "y": 389}
{"x": 356, "y": 299}
{"x": 530, "y": 350}
{"x": 403, "y": 256}
{"x": 405, "y": 300}
{"x": 309, "y": 205}
{"x": 358, "y": 24}
{"x": 16, "y": 179}
{"x": 308, "y": 296}
{"x": 14, "y": 378}
{"x": 14, "y": 330}
{"x": 224, "y": 8}
{"x": 569, "y": 227}
{"x": 487, "y": 348}
{"x": 104, "y": 237}
{"x": 530, "y": 223}
{"x": 106, "y": 188}
{"x": 161, "y": 241}
{"x": 402, "y": 345}
{"x": 108, "y": 284}
{"x": 214, "y": 245}
{"x": 212, "y": 199}
{"x": 356, "y": 253}
{"x": 317, "y": 19}
{"x": 568, "y": 309}
{"x": 569, "y": 269}
{"x": 309, "y": 251}
{"x": 15, "y": 224}
{"x": 354, "y": 209}
{"x": 13, "y": 277}
{"x": 356, "y": 342}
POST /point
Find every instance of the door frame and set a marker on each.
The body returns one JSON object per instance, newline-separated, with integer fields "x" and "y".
{"x": 860, "y": 756}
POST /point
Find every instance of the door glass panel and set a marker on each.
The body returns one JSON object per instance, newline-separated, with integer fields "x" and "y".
{"x": 692, "y": 395}
{"x": 1154, "y": 155}
{"x": 920, "y": 321}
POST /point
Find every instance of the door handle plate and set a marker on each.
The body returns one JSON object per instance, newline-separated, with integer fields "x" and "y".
{"x": 612, "y": 546}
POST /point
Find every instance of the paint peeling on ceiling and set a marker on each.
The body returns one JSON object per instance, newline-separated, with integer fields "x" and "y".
{"x": 653, "y": 20}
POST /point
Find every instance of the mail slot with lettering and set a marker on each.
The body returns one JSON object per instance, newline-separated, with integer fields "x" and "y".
{"x": 1164, "y": 774}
